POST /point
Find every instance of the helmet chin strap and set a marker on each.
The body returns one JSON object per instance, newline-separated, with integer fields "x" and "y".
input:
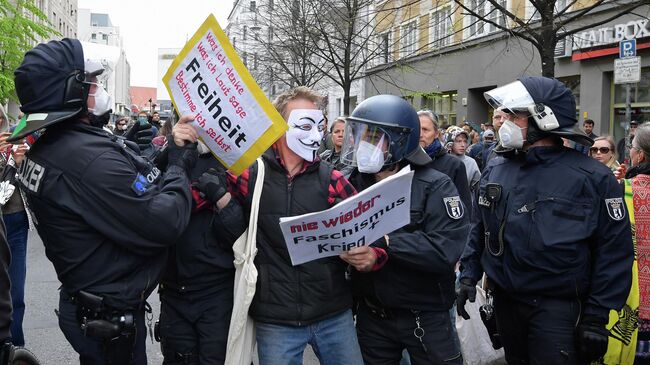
{"x": 101, "y": 120}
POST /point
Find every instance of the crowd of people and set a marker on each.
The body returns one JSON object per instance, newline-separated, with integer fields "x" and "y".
{"x": 144, "y": 205}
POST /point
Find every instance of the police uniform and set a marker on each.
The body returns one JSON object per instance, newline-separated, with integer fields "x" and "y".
{"x": 106, "y": 217}
{"x": 552, "y": 235}
{"x": 405, "y": 304}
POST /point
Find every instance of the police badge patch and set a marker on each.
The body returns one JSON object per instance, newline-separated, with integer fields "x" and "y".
{"x": 454, "y": 207}
{"x": 615, "y": 208}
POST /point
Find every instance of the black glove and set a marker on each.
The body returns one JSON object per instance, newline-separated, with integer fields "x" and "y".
{"x": 140, "y": 134}
{"x": 466, "y": 291}
{"x": 591, "y": 338}
{"x": 184, "y": 157}
{"x": 212, "y": 184}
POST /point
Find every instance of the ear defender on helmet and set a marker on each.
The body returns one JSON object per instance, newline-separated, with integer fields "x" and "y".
{"x": 76, "y": 91}
{"x": 543, "y": 117}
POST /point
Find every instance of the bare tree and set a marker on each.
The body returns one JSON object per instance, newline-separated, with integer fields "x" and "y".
{"x": 287, "y": 48}
{"x": 550, "y": 22}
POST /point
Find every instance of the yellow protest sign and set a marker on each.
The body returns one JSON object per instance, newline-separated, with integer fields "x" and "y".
{"x": 231, "y": 113}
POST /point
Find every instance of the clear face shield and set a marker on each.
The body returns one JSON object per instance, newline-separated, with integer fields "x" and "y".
{"x": 365, "y": 146}
{"x": 513, "y": 98}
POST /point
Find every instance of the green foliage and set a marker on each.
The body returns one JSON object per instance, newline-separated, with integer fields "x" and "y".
{"x": 22, "y": 25}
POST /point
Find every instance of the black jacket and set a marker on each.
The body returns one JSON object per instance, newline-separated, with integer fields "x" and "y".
{"x": 558, "y": 227}
{"x": 106, "y": 216}
{"x": 202, "y": 258}
{"x": 453, "y": 167}
{"x": 419, "y": 273}
{"x": 294, "y": 295}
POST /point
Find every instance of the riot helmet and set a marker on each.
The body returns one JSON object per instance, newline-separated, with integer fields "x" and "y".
{"x": 382, "y": 131}
{"x": 548, "y": 103}
{"x": 53, "y": 84}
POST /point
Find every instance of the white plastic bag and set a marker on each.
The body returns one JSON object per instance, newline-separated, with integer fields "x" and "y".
{"x": 475, "y": 343}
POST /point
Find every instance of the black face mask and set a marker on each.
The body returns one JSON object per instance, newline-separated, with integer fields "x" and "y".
{"x": 101, "y": 120}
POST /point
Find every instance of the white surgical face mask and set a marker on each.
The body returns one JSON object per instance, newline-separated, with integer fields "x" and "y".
{"x": 511, "y": 136}
{"x": 370, "y": 157}
{"x": 103, "y": 101}
{"x": 305, "y": 132}
{"x": 202, "y": 148}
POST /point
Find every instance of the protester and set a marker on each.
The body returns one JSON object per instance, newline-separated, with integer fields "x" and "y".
{"x": 588, "y": 126}
{"x": 456, "y": 142}
{"x": 196, "y": 290}
{"x": 440, "y": 159}
{"x": 121, "y": 125}
{"x": 550, "y": 232}
{"x": 142, "y": 133}
{"x": 333, "y": 155}
{"x": 309, "y": 303}
{"x": 476, "y": 151}
{"x": 624, "y": 142}
{"x": 106, "y": 215}
{"x": 637, "y": 185}
{"x": 6, "y": 347}
{"x": 405, "y": 304}
{"x": 603, "y": 151}
{"x": 155, "y": 122}
{"x": 16, "y": 221}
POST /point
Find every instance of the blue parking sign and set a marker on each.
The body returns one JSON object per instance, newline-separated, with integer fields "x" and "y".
{"x": 627, "y": 48}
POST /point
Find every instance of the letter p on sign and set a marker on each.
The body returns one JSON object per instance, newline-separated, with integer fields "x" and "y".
{"x": 627, "y": 48}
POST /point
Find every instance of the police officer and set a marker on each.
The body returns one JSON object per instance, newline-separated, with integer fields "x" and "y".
{"x": 405, "y": 304}
{"x": 196, "y": 291}
{"x": 550, "y": 232}
{"x": 106, "y": 215}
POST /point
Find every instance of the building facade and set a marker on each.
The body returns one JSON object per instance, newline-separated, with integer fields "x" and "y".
{"x": 439, "y": 59}
{"x": 102, "y": 40}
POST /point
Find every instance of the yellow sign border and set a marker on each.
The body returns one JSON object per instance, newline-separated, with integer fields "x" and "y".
{"x": 278, "y": 125}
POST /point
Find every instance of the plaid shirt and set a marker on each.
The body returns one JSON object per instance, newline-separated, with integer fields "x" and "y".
{"x": 339, "y": 189}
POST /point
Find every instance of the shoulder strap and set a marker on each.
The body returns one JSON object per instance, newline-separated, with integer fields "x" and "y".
{"x": 255, "y": 208}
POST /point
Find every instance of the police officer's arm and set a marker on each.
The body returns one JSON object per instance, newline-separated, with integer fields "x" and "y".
{"x": 470, "y": 261}
{"x": 229, "y": 223}
{"x": 612, "y": 252}
{"x": 436, "y": 244}
{"x": 141, "y": 223}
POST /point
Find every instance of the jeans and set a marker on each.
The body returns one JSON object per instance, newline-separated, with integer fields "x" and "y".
{"x": 17, "y": 227}
{"x": 334, "y": 341}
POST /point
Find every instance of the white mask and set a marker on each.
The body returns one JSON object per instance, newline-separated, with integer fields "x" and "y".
{"x": 202, "y": 148}
{"x": 103, "y": 101}
{"x": 370, "y": 157}
{"x": 305, "y": 132}
{"x": 511, "y": 136}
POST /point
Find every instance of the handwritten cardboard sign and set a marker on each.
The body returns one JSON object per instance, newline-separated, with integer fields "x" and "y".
{"x": 357, "y": 221}
{"x": 231, "y": 113}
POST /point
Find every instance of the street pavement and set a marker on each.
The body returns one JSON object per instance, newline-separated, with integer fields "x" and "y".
{"x": 42, "y": 334}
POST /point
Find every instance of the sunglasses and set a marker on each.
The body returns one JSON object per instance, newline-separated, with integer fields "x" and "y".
{"x": 602, "y": 150}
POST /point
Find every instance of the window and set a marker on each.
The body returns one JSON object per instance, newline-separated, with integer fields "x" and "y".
{"x": 639, "y": 100}
{"x": 253, "y": 6}
{"x": 105, "y": 37}
{"x": 270, "y": 34}
{"x": 93, "y": 36}
{"x": 443, "y": 104}
{"x": 485, "y": 10}
{"x": 271, "y": 5}
{"x": 409, "y": 34}
{"x": 254, "y": 61}
{"x": 245, "y": 32}
{"x": 234, "y": 42}
{"x": 533, "y": 14}
{"x": 440, "y": 28}
{"x": 244, "y": 59}
{"x": 383, "y": 48}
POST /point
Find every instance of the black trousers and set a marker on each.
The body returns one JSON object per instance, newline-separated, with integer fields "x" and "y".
{"x": 383, "y": 340}
{"x": 540, "y": 331}
{"x": 194, "y": 327}
{"x": 91, "y": 350}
